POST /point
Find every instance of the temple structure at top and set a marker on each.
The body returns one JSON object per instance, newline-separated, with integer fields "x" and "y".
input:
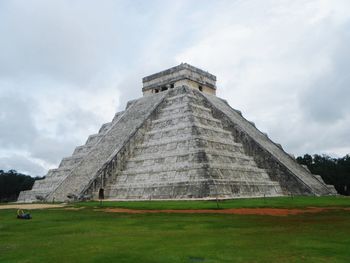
{"x": 183, "y": 74}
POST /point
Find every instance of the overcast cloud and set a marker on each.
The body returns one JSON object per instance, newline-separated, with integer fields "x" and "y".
{"x": 67, "y": 66}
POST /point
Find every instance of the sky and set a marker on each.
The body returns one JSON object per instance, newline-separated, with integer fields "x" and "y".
{"x": 66, "y": 67}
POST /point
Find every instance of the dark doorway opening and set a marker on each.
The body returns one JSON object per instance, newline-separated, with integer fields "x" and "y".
{"x": 101, "y": 193}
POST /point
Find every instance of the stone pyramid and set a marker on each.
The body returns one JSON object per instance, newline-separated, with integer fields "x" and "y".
{"x": 179, "y": 141}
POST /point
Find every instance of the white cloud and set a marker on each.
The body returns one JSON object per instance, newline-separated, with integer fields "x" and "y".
{"x": 66, "y": 67}
{"x": 268, "y": 61}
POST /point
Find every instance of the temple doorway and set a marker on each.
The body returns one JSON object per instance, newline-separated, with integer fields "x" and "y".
{"x": 101, "y": 194}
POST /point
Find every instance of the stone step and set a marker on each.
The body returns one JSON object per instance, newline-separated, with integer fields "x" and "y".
{"x": 82, "y": 150}
{"x": 188, "y": 125}
{"x": 170, "y": 109}
{"x": 148, "y": 183}
{"x": 189, "y": 166}
{"x": 186, "y": 144}
{"x": 184, "y": 108}
{"x": 172, "y": 154}
{"x": 243, "y": 176}
{"x": 195, "y": 157}
{"x": 45, "y": 188}
{"x": 194, "y": 189}
{"x": 332, "y": 189}
{"x": 180, "y": 119}
{"x": 92, "y": 139}
{"x": 31, "y": 195}
{"x": 26, "y": 196}
{"x": 104, "y": 128}
{"x": 72, "y": 161}
{"x": 221, "y": 158}
{"x": 181, "y": 96}
{"x": 180, "y": 99}
{"x": 50, "y": 181}
{"x": 189, "y": 175}
{"x": 182, "y": 116}
{"x": 117, "y": 116}
{"x": 186, "y": 129}
{"x": 169, "y": 106}
{"x": 198, "y": 139}
{"x": 57, "y": 171}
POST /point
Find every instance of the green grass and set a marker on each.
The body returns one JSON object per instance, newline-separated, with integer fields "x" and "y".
{"x": 90, "y": 235}
{"x": 276, "y": 202}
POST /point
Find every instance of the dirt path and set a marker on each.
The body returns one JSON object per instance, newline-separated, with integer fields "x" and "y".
{"x": 237, "y": 211}
{"x": 31, "y": 206}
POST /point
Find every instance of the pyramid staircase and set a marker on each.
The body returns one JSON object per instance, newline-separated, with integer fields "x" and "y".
{"x": 186, "y": 153}
{"x": 54, "y": 177}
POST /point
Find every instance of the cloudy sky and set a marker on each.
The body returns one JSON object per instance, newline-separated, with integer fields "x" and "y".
{"x": 67, "y": 66}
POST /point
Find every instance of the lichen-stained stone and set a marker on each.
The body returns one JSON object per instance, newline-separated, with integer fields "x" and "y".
{"x": 280, "y": 165}
{"x": 42, "y": 188}
{"x": 109, "y": 143}
{"x": 177, "y": 142}
{"x": 186, "y": 153}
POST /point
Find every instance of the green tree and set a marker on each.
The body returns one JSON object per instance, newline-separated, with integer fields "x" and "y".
{"x": 12, "y": 183}
{"x": 335, "y": 171}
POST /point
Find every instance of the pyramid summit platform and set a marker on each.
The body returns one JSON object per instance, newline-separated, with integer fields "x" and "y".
{"x": 179, "y": 141}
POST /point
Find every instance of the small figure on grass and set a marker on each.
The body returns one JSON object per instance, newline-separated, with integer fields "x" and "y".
{"x": 23, "y": 214}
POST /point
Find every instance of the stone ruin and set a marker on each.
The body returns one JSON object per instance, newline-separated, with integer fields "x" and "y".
{"x": 179, "y": 141}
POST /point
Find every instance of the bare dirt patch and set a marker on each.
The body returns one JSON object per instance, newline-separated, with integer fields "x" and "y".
{"x": 31, "y": 206}
{"x": 236, "y": 211}
{"x": 74, "y": 208}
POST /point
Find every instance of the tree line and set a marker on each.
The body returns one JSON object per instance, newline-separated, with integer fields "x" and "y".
{"x": 12, "y": 183}
{"x": 334, "y": 171}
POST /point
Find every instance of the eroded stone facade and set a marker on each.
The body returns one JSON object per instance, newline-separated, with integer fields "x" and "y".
{"x": 181, "y": 75}
{"x": 179, "y": 143}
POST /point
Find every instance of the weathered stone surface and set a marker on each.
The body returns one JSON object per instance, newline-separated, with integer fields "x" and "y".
{"x": 181, "y": 143}
{"x": 42, "y": 188}
{"x": 108, "y": 144}
{"x": 269, "y": 155}
{"x": 186, "y": 153}
{"x": 183, "y": 74}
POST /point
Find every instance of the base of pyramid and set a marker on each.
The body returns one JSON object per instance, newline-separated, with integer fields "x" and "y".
{"x": 191, "y": 190}
{"x": 191, "y": 199}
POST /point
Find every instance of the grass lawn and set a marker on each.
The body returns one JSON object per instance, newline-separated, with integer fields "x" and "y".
{"x": 275, "y": 202}
{"x": 90, "y": 235}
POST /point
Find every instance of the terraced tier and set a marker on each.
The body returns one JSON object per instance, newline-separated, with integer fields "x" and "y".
{"x": 295, "y": 178}
{"x": 42, "y": 188}
{"x": 186, "y": 153}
